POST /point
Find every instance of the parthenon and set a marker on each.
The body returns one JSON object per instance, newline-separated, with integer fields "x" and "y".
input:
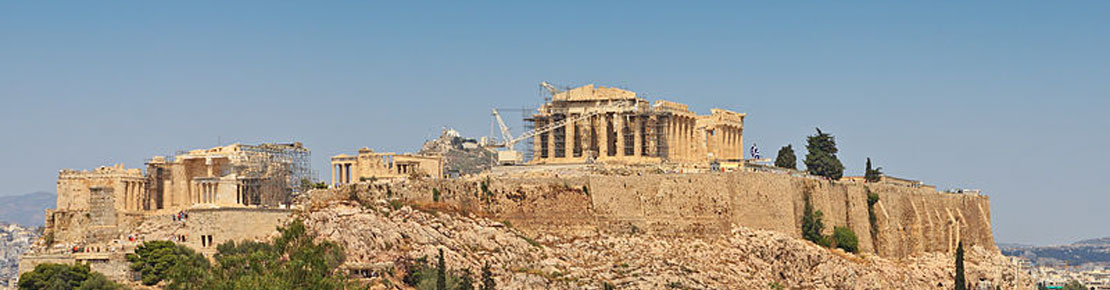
{"x": 595, "y": 123}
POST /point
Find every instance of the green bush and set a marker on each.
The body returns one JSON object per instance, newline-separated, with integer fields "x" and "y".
{"x": 61, "y": 276}
{"x": 435, "y": 194}
{"x": 165, "y": 260}
{"x": 844, "y": 238}
{"x": 812, "y": 226}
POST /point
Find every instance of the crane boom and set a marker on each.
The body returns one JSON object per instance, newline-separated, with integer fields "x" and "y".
{"x": 550, "y": 88}
{"x": 505, "y": 134}
{"x": 509, "y": 141}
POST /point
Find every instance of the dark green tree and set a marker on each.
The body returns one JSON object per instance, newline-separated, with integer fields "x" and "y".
{"x": 961, "y": 281}
{"x": 293, "y": 260}
{"x": 165, "y": 260}
{"x": 441, "y": 273}
{"x": 466, "y": 281}
{"x": 845, "y": 239}
{"x": 65, "y": 277}
{"x": 786, "y": 158}
{"x": 812, "y": 226}
{"x": 821, "y": 159}
{"x": 487, "y": 278}
{"x": 435, "y": 194}
{"x": 872, "y": 174}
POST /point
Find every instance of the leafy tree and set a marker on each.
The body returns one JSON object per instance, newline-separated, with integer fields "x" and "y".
{"x": 441, "y": 273}
{"x": 845, "y": 239}
{"x": 821, "y": 159}
{"x": 63, "y": 277}
{"x": 487, "y": 278}
{"x": 165, "y": 260}
{"x": 961, "y": 281}
{"x": 872, "y": 175}
{"x": 786, "y": 158}
{"x": 812, "y": 226}
{"x": 293, "y": 260}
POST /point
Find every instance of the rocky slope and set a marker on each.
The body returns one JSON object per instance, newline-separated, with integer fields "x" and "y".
{"x": 378, "y": 233}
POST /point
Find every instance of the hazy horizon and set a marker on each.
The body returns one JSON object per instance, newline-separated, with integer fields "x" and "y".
{"x": 995, "y": 96}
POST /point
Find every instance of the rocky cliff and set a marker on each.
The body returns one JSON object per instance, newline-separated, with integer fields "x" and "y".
{"x": 378, "y": 233}
{"x": 908, "y": 221}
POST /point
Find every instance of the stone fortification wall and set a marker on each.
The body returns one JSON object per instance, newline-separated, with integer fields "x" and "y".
{"x": 909, "y": 221}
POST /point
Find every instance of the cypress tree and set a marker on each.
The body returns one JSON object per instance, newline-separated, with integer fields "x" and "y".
{"x": 821, "y": 159}
{"x": 961, "y": 281}
{"x": 441, "y": 273}
{"x": 786, "y": 158}
{"x": 872, "y": 174}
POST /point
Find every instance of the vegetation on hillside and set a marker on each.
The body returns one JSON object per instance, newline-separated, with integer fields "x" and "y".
{"x": 293, "y": 260}
{"x": 813, "y": 226}
{"x": 62, "y": 276}
{"x": 961, "y": 280}
{"x": 421, "y": 276}
{"x": 872, "y": 217}
{"x": 821, "y": 159}
{"x": 786, "y": 158}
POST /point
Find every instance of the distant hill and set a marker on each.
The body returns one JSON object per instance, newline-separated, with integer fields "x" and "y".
{"x": 1078, "y": 253}
{"x": 1103, "y": 241}
{"x": 26, "y": 210}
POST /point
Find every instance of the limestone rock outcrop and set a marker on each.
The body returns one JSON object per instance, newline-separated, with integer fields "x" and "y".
{"x": 742, "y": 259}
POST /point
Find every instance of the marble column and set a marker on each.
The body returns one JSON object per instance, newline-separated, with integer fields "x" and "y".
{"x": 569, "y": 140}
{"x": 637, "y": 137}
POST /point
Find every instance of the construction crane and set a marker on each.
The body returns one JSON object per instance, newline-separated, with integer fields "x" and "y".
{"x": 550, "y": 88}
{"x": 510, "y": 156}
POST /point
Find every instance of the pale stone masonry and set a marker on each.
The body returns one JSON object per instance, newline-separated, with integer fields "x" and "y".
{"x": 369, "y": 164}
{"x": 595, "y": 123}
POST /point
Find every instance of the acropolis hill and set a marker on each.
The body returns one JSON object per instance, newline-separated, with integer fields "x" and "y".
{"x": 612, "y": 179}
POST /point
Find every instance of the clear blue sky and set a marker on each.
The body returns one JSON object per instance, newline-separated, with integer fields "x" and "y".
{"x": 1007, "y": 96}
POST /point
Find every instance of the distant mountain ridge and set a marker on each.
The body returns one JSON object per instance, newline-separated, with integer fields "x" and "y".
{"x": 1103, "y": 241}
{"x": 28, "y": 209}
{"x": 1077, "y": 253}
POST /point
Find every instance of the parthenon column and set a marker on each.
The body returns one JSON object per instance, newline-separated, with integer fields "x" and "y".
{"x": 672, "y": 138}
{"x": 333, "y": 173}
{"x": 618, "y": 127}
{"x": 551, "y": 143}
{"x": 569, "y": 140}
{"x": 602, "y": 136}
{"x": 681, "y": 138}
{"x": 637, "y": 137}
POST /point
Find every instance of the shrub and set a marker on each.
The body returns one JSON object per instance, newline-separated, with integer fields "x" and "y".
{"x": 812, "y": 226}
{"x": 435, "y": 194}
{"x": 845, "y": 239}
{"x": 63, "y": 276}
{"x": 165, "y": 260}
